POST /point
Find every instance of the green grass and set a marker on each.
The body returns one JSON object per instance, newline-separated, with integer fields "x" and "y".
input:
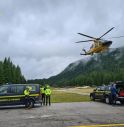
{"x": 59, "y": 96}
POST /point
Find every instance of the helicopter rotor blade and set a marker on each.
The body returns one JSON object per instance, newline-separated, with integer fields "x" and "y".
{"x": 87, "y": 36}
{"x": 105, "y": 33}
{"x": 117, "y": 37}
{"x": 83, "y": 41}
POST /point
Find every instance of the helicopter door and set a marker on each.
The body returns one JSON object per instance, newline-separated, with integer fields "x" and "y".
{"x": 96, "y": 44}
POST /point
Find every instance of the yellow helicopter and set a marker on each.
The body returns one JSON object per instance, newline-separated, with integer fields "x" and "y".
{"x": 99, "y": 44}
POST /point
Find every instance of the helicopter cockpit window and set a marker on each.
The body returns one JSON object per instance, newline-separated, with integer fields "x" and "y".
{"x": 91, "y": 46}
{"x": 103, "y": 41}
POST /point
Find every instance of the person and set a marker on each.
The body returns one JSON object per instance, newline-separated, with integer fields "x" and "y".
{"x": 113, "y": 93}
{"x": 27, "y": 98}
{"x": 48, "y": 94}
{"x": 42, "y": 90}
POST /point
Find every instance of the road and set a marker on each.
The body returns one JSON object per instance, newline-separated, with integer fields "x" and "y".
{"x": 62, "y": 114}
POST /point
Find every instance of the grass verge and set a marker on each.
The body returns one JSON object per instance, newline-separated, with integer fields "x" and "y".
{"x": 59, "y": 97}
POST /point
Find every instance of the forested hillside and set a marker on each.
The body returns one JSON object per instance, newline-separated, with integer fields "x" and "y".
{"x": 9, "y": 73}
{"x": 100, "y": 69}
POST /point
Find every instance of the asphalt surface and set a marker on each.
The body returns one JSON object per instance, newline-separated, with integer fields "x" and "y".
{"x": 62, "y": 114}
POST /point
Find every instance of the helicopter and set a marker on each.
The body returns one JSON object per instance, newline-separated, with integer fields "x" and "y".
{"x": 99, "y": 44}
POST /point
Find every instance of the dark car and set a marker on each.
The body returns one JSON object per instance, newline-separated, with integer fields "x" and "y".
{"x": 103, "y": 93}
{"x": 14, "y": 94}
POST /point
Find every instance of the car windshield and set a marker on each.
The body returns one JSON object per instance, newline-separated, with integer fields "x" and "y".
{"x": 108, "y": 88}
{"x": 100, "y": 88}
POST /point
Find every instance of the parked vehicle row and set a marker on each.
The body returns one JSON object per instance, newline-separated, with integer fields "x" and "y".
{"x": 103, "y": 93}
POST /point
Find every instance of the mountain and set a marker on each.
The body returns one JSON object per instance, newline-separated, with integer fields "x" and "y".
{"x": 95, "y": 70}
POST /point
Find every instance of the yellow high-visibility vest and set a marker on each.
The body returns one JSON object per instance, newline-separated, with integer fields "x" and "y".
{"x": 26, "y": 92}
{"x": 42, "y": 90}
{"x": 48, "y": 91}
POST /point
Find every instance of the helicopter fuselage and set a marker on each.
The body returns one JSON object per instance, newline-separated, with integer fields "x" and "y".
{"x": 99, "y": 46}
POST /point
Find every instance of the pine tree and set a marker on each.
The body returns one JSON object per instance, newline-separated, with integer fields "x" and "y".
{"x": 9, "y": 73}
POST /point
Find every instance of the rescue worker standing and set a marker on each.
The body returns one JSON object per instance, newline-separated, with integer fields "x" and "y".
{"x": 27, "y": 98}
{"x": 48, "y": 94}
{"x": 113, "y": 93}
{"x": 42, "y": 90}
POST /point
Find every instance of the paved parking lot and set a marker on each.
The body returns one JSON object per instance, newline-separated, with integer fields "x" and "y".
{"x": 62, "y": 114}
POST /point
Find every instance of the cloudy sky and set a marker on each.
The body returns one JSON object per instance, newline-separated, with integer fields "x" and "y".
{"x": 39, "y": 35}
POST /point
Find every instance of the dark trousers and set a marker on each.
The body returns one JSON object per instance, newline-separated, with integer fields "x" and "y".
{"x": 113, "y": 97}
{"x": 27, "y": 101}
{"x": 48, "y": 99}
{"x": 43, "y": 99}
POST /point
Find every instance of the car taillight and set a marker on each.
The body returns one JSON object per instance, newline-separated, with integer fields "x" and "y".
{"x": 121, "y": 93}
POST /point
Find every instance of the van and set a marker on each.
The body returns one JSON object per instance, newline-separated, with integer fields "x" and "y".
{"x": 13, "y": 94}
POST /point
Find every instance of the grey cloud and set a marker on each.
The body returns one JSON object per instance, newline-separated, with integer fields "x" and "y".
{"x": 44, "y": 67}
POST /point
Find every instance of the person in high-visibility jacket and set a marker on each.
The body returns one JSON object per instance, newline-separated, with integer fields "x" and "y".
{"x": 27, "y": 98}
{"x": 48, "y": 94}
{"x": 42, "y": 91}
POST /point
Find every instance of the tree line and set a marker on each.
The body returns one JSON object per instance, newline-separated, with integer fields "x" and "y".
{"x": 10, "y": 73}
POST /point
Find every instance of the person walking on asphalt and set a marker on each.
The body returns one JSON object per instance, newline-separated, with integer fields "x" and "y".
{"x": 42, "y": 90}
{"x": 48, "y": 94}
{"x": 113, "y": 93}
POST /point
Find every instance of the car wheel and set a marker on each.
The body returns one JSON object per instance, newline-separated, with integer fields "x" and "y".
{"x": 107, "y": 100}
{"x": 31, "y": 103}
{"x": 92, "y": 98}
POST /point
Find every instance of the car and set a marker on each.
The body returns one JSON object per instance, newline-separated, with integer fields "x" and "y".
{"x": 103, "y": 93}
{"x": 13, "y": 94}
